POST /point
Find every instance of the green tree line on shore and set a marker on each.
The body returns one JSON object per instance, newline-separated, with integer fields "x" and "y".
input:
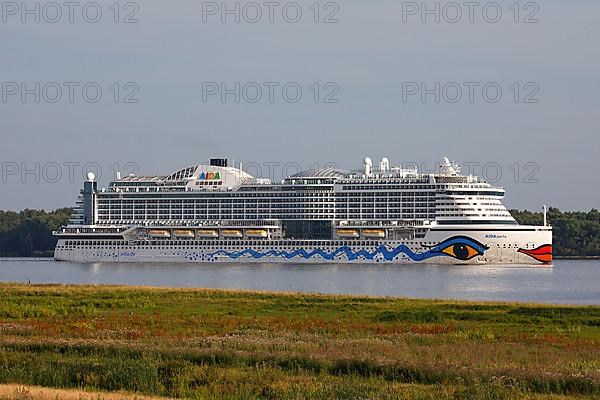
{"x": 575, "y": 233}
{"x": 28, "y": 233}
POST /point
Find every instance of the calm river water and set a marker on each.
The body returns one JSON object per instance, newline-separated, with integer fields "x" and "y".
{"x": 568, "y": 282}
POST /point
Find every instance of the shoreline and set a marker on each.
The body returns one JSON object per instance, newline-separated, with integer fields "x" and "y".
{"x": 100, "y": 287}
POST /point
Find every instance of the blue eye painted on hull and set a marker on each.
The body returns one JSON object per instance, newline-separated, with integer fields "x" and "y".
{"x": 460, "y": 247}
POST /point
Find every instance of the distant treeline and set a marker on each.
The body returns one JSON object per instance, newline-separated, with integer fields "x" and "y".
{"x": 29, "y": 233}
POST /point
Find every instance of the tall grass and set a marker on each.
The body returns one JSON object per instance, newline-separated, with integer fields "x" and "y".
{"x": 223, "y": 344}
{"x": 180, "y": 376}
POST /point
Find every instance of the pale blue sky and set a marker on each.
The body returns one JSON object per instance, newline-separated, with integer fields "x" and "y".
{"x": 368, "y": 54}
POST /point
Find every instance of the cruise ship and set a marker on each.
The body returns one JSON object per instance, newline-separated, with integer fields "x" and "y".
{"x": 214, "y": 212}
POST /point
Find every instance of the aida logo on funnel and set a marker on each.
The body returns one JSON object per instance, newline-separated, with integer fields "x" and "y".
{"x": 209, "y": 176}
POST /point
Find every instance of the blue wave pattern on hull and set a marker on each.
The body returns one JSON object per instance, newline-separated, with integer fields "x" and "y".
{"x": 351, "y": 255}
{"x": 387, "y": 254}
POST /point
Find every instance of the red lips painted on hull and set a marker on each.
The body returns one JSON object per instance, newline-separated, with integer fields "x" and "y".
{"x": 542, "y": 254}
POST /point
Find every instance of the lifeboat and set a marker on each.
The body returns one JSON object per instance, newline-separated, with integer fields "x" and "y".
{"x": 159, "y": 233}
{"x": 347, "y": 233}
{"x": 256, "y": 233}
{"x": 373, "y": 233}
{"x": 207, "y": 233}
{"x": 183, "y": 233}
{"x": 231, "y": 233}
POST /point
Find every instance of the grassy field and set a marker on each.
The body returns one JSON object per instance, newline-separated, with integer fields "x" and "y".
{"x": 211, "y": 344}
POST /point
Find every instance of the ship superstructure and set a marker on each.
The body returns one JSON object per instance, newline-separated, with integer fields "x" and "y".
{"x": 215, "y": 212}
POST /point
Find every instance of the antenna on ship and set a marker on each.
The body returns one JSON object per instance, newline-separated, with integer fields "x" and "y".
{"x": 545, "y": 217}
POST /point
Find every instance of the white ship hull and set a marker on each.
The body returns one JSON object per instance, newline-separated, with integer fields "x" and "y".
{"x": 511, "y": 244}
